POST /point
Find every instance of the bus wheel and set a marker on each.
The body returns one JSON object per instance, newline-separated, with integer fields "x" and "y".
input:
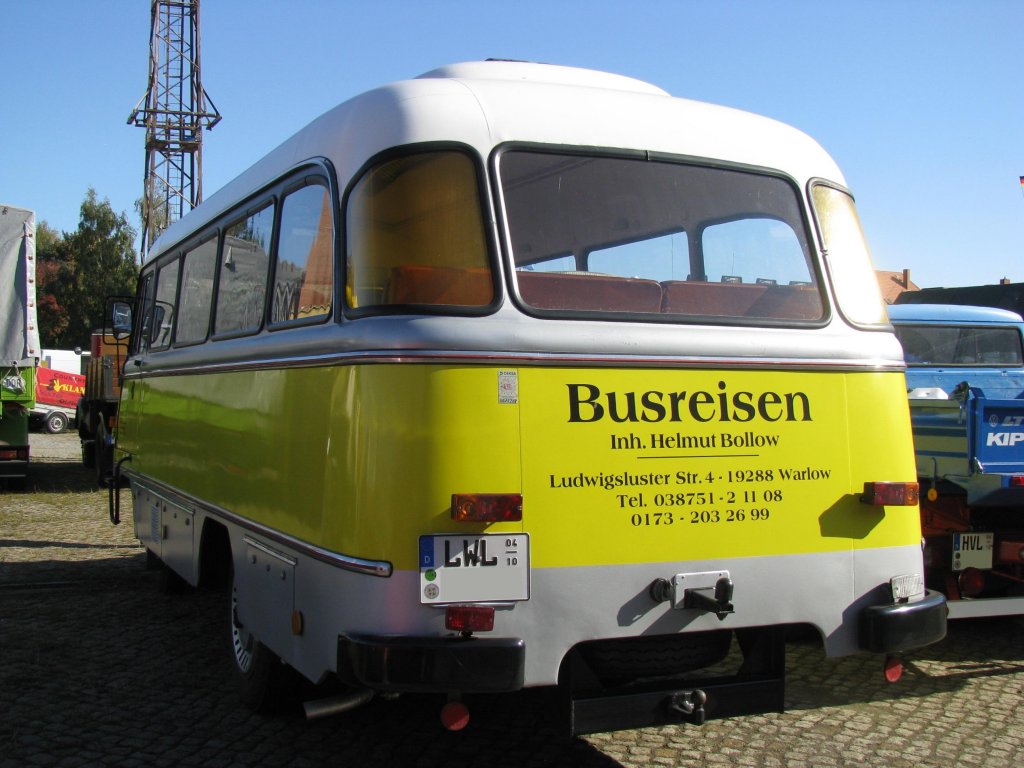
{"x": 263, "y": 679}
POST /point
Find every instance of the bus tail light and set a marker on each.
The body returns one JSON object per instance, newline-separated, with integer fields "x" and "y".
{"x": 884, "y": 494}
{"x": 487, "y": 507}
{"x": 469, "y": 618}
{"x": 14, "y": 454}
{"x": 1017, "y": 481}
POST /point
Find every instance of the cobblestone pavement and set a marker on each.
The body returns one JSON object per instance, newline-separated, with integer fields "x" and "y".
{"x": 98, "y": 667}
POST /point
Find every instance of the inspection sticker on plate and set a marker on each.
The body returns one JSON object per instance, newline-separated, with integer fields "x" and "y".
{"x": 474, "y": 568}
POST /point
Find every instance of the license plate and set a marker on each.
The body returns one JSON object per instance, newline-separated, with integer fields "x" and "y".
{"x": 475, "y": 568}
{"x": 972, "y": 550}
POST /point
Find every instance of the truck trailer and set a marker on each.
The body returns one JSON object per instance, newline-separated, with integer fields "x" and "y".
{"x": 965, "y": 382}
{"x": 59, "y": 386}
{"x": 96, "y": 414}
{"x": 19, "y": 338}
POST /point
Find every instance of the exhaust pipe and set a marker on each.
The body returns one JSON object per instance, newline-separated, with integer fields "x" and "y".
{"x": 335, "y": 705}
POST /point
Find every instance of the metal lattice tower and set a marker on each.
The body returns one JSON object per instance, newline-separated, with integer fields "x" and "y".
{"x": 174, "y": 111}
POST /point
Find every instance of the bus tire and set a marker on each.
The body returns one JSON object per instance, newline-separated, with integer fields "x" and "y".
{"x": 264, "y": 681}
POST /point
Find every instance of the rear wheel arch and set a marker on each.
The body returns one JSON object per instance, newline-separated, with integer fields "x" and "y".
{"x": 214, "y": 555}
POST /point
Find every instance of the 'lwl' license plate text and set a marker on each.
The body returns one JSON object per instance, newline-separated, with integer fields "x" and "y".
{"x": 474, "y": 569}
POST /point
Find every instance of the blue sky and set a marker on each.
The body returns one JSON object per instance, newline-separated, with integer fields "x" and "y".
{"x": 919, "y": 101}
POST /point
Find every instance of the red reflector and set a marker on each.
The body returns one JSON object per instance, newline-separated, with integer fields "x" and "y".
{"x": 1017, "y": 481}
{"x": 890, "y": 494}
{"x": 455, "y": 716}
{"x": 971, "y": 582}
{"x": 487, "y": 507}
{"x": 469, "y": 618}
{"x": 893, "y": 669}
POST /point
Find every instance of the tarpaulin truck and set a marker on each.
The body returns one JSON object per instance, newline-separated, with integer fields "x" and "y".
{"x": 965, "y": 381}
{"x": 19, "y": 337}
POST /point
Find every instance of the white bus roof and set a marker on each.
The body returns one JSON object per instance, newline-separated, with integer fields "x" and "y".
{"x": 486, "y": 103}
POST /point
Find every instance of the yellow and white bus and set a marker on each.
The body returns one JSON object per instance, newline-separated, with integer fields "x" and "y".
{"x": 517, "y": 375}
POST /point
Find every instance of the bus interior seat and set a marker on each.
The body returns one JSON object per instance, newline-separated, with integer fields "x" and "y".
{"x": 450, "y": 286}
{"x": 733, "y": 299}
{"x": 553, "y": 290}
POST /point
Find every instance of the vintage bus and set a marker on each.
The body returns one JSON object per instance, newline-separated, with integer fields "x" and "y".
{"x": 517, "y": 375}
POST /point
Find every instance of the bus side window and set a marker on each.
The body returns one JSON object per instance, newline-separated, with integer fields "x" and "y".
{"x": 196, "y": 293}
{"x": 416, "y": 236}
{"x": 242, "y": 285}
{"x": 163, "y": 311}
{"x": 304, "y": 271}
{"x": 847, "y": 256}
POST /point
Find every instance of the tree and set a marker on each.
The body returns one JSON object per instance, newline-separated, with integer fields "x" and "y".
{"x": 51, "y": 275}
{"x": 154, "y": 209}
{"x": 80, "y": 270}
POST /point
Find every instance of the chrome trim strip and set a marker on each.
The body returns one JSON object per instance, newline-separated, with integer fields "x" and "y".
{"x": 380, "y": 568}
{"x": 168, "y": 500}
{"x": 505, "y": 358}
{"x": 270, "y": 552}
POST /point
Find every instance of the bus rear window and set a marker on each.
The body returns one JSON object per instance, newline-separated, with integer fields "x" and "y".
{"x": 416, "y": 236}
{"x": 658, "y": 240}
{"x": 304, "y": 275}
{"x": 949, "y": 345}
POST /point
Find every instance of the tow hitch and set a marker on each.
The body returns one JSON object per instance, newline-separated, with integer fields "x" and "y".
{"x": 690, "y": 705}
{"x": 709, "y": 591}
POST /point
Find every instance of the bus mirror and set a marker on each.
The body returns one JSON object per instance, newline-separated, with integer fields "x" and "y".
{"x": 121, "y": 319}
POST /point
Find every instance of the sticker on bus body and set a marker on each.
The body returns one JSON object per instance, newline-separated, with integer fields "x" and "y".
{"x": 474, "y": 568}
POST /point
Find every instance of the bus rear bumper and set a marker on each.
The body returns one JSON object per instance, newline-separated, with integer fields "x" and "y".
{"x": 398, "y": 663}
{"x": 900, "y": 626}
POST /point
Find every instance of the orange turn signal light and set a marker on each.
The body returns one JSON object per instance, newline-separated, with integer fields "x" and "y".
{"x": 487, "y": 507}
{"x": 885, "y": 494}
